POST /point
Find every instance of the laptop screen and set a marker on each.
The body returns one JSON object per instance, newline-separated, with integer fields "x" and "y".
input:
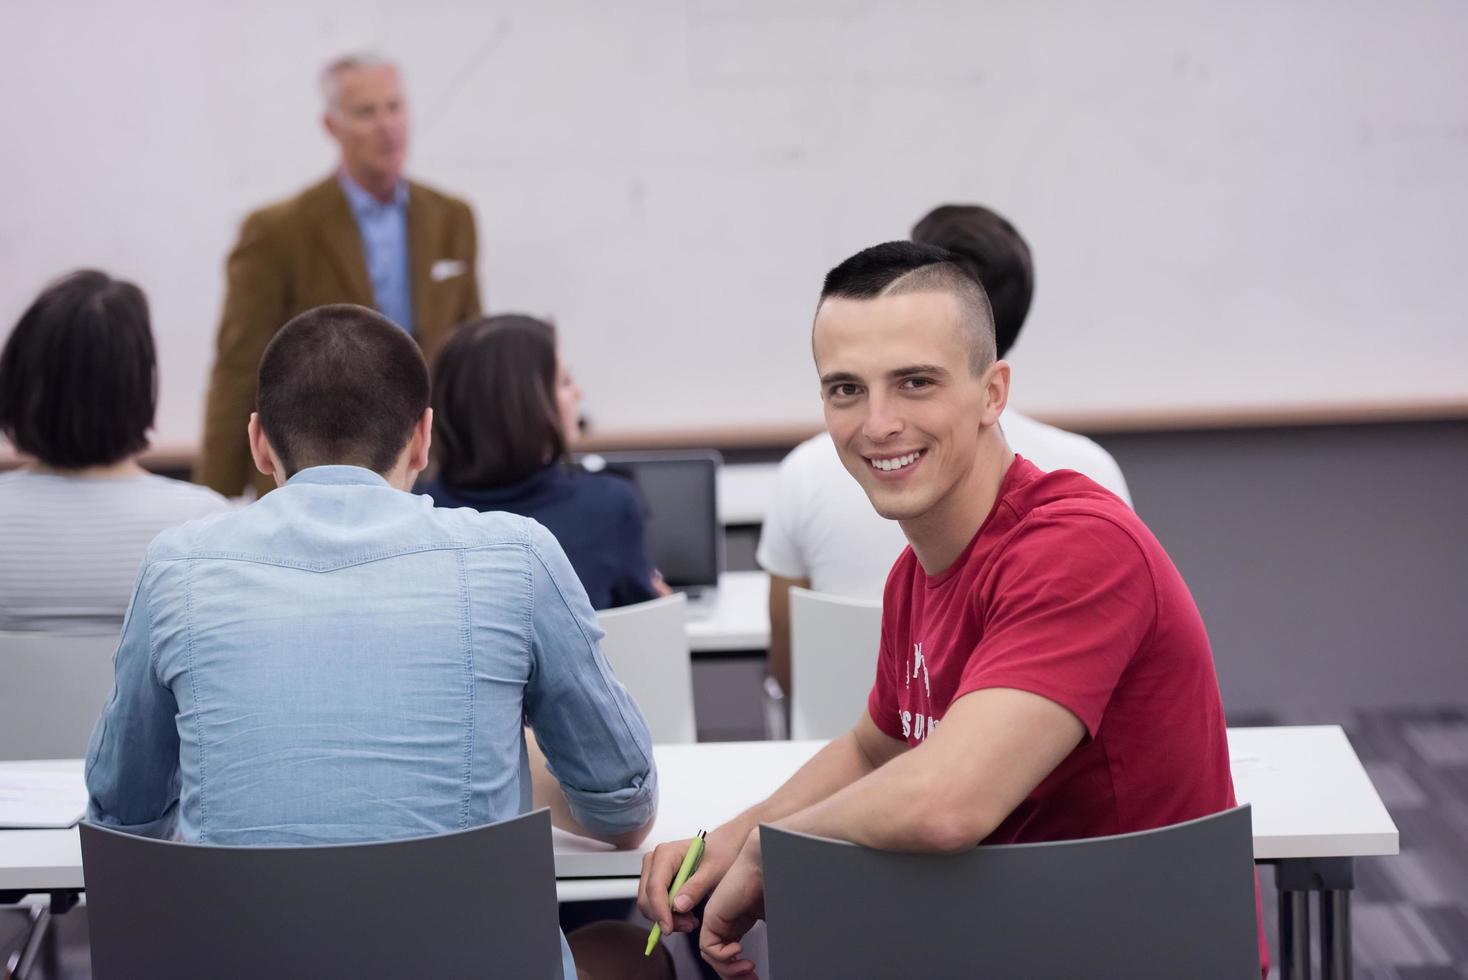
{"x": 679, "y": 491}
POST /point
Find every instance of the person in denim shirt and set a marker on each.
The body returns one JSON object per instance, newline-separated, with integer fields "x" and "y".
{"x": 342, "y": 661}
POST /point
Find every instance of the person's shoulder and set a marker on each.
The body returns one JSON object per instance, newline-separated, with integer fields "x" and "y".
{"x": 605, "y": 490}
{"x": 304, "y": 206}
{"x": 818, "y": 450}
{"x": 187, "y": 538}
{"x": 1070, "y": 513}
{"x": 426, "y": 195}
{"x": 1052, "y": 448}
{"x": 1046, "y": 493}
{"x": 472, "y": 527}
{"x": 813, "y": 459}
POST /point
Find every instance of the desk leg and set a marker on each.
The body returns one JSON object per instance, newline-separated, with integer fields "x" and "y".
{"x": 1333, "y": 879}
{"x": 1335, "y": 934}
{"x": 20, "y": 963}
{"x": 19, "y": 966}
{"x": 1294, "y": 935}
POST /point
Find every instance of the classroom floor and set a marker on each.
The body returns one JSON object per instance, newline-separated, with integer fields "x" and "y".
{"x": 1410, "y": 912}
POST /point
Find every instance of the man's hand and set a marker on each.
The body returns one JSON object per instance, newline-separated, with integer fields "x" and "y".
{"x": 660, "y": 867}
{"x": 737, "y": 904}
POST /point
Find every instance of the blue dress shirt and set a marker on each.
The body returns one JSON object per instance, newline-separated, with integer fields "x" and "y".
{"x": 384, "y": 229}
{"x": 342, "y": 661}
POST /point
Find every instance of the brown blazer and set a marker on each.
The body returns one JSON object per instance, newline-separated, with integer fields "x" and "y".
{"x": 306, "y": 252}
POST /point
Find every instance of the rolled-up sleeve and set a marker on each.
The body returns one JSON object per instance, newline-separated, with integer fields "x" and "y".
{"x": 132, "y": 760}
{"x": 595, "y": 739}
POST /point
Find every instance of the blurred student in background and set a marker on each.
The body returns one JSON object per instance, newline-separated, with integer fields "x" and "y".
{"x": 78, "y": 389}
{"x": 822, "y": 533}
{"x": 504, "y": 412}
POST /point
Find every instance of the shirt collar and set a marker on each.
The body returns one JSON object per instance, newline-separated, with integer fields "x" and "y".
{"x": 338, "y": 475}
{"x": 361, "y": 201}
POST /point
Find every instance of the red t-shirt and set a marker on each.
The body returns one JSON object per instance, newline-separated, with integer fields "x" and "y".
{"x": 1064, "y": 592}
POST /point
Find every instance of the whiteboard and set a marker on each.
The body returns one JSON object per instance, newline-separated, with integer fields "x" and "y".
{"x": 1230, "y": 205}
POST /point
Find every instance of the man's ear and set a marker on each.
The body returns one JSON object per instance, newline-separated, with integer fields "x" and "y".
{"x": 421, "y": 442}
{"x": 996, "y": 392}
{"x": 265, "y": 459}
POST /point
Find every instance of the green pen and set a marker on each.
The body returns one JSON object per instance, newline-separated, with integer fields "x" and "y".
{"x": 685, "y": 871}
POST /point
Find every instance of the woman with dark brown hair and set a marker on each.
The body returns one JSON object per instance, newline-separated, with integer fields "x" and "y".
{"x": 78, "y": 393}
{"x": 504, "y": 406}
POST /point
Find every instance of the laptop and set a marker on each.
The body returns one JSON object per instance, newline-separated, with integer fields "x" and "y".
{"x": 679, "y": 491}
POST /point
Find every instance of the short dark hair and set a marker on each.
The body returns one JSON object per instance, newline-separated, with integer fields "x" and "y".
{"x": 495, "y": 420}
{"x": 994, "y": 253}
{"x": 79, "y": 374}
{"x": 893, "y": 268}
{"x": 341, "y": 384}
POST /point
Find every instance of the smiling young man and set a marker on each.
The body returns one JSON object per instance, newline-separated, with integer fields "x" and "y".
{"x": 1043, "y": 673}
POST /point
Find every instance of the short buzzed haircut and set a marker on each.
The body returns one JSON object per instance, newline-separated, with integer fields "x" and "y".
{"x": 894, "y": 268}
{"x": 993, "y": 252}
{"x": 341, "y": 384}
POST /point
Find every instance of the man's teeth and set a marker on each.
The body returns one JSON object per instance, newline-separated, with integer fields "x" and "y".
{"x": 896, "y": 462}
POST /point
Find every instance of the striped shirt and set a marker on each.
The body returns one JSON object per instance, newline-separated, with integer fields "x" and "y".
{"x": 71, "y": 547}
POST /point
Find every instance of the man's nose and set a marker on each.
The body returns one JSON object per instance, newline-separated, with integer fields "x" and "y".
{"x": 882, "y": 421}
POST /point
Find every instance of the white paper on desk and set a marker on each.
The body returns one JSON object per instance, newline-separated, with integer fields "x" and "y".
{"x": 41, "y": 798}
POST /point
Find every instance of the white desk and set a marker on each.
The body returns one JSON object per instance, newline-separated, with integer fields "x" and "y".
{"x": 1311, "y": 797}
{"x": 746, "y": 491}
{"x": 739, "y": 618}
{"x": 1314, "y": 811}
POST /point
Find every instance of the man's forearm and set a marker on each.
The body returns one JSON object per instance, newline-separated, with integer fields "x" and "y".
{"x": 836, "y": 766}
{"x": 950, "y": 793}
{"x": 546, "y": 792}
{"x": 899, "y": 807}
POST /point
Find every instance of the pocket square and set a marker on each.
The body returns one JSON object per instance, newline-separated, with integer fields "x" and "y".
{"x": 447, "y": 269}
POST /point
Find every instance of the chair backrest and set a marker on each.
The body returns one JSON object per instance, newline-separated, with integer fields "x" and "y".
{"x": 52, "y": 689}
{"x": 833, "y": 661}
{"x": 478, "y": 902}
{"x": 1172, "y": 902}
{"x": 647, "y": 646}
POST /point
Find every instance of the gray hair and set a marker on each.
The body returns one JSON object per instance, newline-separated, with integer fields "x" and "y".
{"x": 331, "y": 87}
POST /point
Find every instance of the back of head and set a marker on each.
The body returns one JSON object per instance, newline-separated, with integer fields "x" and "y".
{"x": 992, "y": 251}
{"x": 341, "y": 384}
{"x": 79, "y": 375}
{"x": 893, "y": 268}
{"x": 495, "y": 420}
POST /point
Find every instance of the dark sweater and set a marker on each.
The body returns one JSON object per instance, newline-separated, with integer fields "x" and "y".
{"x": 596, "y": 517}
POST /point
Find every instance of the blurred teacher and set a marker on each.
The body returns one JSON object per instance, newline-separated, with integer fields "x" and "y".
{"x": 366, "y": 235}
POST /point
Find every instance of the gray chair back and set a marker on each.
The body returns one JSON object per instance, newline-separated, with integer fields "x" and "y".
{"x": 1166, "y": 903}
{"x": 478, "y": 902}
{"x": 52, "y": 690}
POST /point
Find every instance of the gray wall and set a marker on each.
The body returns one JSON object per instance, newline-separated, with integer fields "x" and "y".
{"x": 1330, "y": 562}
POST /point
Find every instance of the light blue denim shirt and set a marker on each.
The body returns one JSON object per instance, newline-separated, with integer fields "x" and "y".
{"x": 342, "y": 661}
{"x": 384, "y": 228}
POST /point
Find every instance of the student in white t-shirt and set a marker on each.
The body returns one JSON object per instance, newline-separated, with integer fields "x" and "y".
{"x": 78, "y": 391}
{"x": 821, "y": 532}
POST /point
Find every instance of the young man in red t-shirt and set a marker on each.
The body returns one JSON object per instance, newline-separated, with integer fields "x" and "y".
{"x": 1043, "y": 673}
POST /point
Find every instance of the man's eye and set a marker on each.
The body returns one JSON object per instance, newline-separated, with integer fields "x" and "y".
{"x": 843, "y": 390}
{"x": 913, "y": 384}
